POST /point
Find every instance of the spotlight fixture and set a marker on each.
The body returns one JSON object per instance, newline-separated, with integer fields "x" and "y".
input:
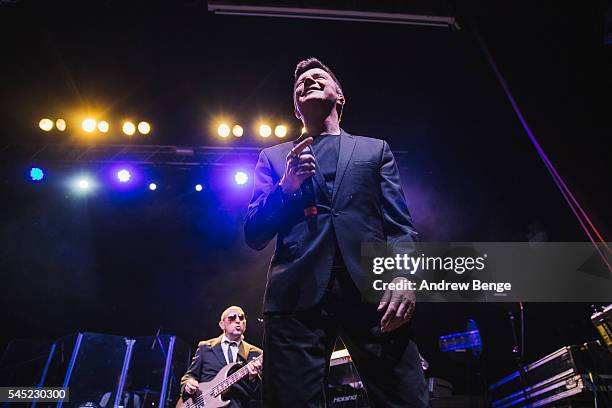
{"x": 45, "y": 124}
{"x": 89, "y": 125}
{"x": 280, "y": 131}
{"x": 103, "y": 126}
{"x": 152, "y": 186}
{"x": 223, "y": 130}
{"x": 124, "y": 176}
{"x": 128, "y": 128}
{"x": 265, "y": 130}
{"x": 60, "y": 125}
{"x": 199, "y": 187}
{"x": 144, "y": 128}
{"x": 241, "y": 178}
{"x": 83, "y": 184}
{"x": 37, "y": 174}
{"x": 237, "y": 131}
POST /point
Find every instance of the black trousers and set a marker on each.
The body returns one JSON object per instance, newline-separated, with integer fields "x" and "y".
{"x": 298, "y": 346}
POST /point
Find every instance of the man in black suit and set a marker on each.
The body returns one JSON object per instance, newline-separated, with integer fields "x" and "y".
{"x": 213, "y": 354}
{"x": 315, "y": 288}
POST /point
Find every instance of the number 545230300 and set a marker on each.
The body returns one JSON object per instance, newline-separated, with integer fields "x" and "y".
{"x": 30, "y": 394}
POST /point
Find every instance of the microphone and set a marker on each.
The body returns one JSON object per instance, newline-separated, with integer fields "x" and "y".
{"x": 308, "y": 195}
{"x": 310, "y": 206}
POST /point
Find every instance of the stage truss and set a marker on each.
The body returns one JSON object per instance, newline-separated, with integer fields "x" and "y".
{"x": 142, "y": 155}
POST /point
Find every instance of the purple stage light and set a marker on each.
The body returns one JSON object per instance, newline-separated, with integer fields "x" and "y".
{"x": 241, "y": 178}
{"x": 124, "y": 176}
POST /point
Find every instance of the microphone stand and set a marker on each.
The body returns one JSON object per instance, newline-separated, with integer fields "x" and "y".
{"x": 518, "y": 352}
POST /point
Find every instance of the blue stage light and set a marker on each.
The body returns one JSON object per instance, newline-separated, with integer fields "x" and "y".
{"x": 37, "y": 174}
{"x": 83, "y": 183}
{"x": 124, "y": 176}
{"x": 199, "y": 187}
{"x": 152, "y": 186}
{"x": 241, "y": 178}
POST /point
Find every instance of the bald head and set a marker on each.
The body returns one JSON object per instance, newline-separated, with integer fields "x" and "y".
{"x": 232, "y": 309}
{"x": 233, "y": 322}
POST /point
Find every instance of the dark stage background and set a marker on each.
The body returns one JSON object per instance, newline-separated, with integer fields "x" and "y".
{"x": 128, "y": 263}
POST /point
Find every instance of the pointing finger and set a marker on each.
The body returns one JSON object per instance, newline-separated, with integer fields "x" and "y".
{"x": 297, "y": 149}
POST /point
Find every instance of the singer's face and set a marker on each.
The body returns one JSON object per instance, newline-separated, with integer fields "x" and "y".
{"x": 315, "y": 89}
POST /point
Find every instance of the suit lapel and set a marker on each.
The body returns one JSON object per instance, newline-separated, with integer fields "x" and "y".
{"x": 347, "y": 145}
{"x": 218, "y": 351}
{"x": 242, "y": 351}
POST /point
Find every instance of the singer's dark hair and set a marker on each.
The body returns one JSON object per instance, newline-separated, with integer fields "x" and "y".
{"x": 310, "y": 63}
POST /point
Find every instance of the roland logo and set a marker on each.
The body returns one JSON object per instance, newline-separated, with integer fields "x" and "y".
{"x": 346, "y": 398}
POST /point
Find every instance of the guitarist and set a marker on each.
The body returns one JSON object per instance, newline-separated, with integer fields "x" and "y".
{"x": 213, "y": 354}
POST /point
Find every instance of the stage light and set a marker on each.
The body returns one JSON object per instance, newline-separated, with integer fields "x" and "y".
{"x": 37, "y": 174}
{"x": 124, "y": 176}
{"x": 223, "y": 130}
{"x": 45, "y": 124}
{"x": 199, "y": 187}
{"x": 103, "y": 126}
{"x": 280, "y": 131}
{"x": 60, "y": 124}
{"x": 144, "y": 128}
{"x": 241, "y": 178}
{"x": 152, "y": 186}
{"x": 83, "y": 183}
{"x": 265, "y": 130}
{"x": 89, "y": 125}
{"x": 237, "y": 131}
{"x": 128, "y": 128}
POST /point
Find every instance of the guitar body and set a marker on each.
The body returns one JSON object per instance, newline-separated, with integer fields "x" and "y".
{"x": 204, "y": 397}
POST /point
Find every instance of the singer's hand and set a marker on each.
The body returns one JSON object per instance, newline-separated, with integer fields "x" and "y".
{"x": 398, "y": 306}
{"x": 299, "y": 167}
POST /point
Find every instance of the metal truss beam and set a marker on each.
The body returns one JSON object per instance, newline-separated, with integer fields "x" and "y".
{"x": 146, "y": 155}
{"x": 219, "y": 7}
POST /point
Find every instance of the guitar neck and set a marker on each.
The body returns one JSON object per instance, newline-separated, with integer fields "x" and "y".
{"x": 233, "y": 378}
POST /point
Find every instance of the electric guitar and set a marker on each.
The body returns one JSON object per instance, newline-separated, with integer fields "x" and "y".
{"x": 209, "y": 393}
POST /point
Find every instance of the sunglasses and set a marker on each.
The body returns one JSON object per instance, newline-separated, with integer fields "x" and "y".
{"x": 235, "y": 316}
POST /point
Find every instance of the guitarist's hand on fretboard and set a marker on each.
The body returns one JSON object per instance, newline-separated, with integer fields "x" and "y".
{"x": 254, "y": 367}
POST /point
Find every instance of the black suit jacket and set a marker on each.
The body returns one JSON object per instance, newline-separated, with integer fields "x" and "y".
{"x": 367, "y": 205}
{"x": 209, "y": 360}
